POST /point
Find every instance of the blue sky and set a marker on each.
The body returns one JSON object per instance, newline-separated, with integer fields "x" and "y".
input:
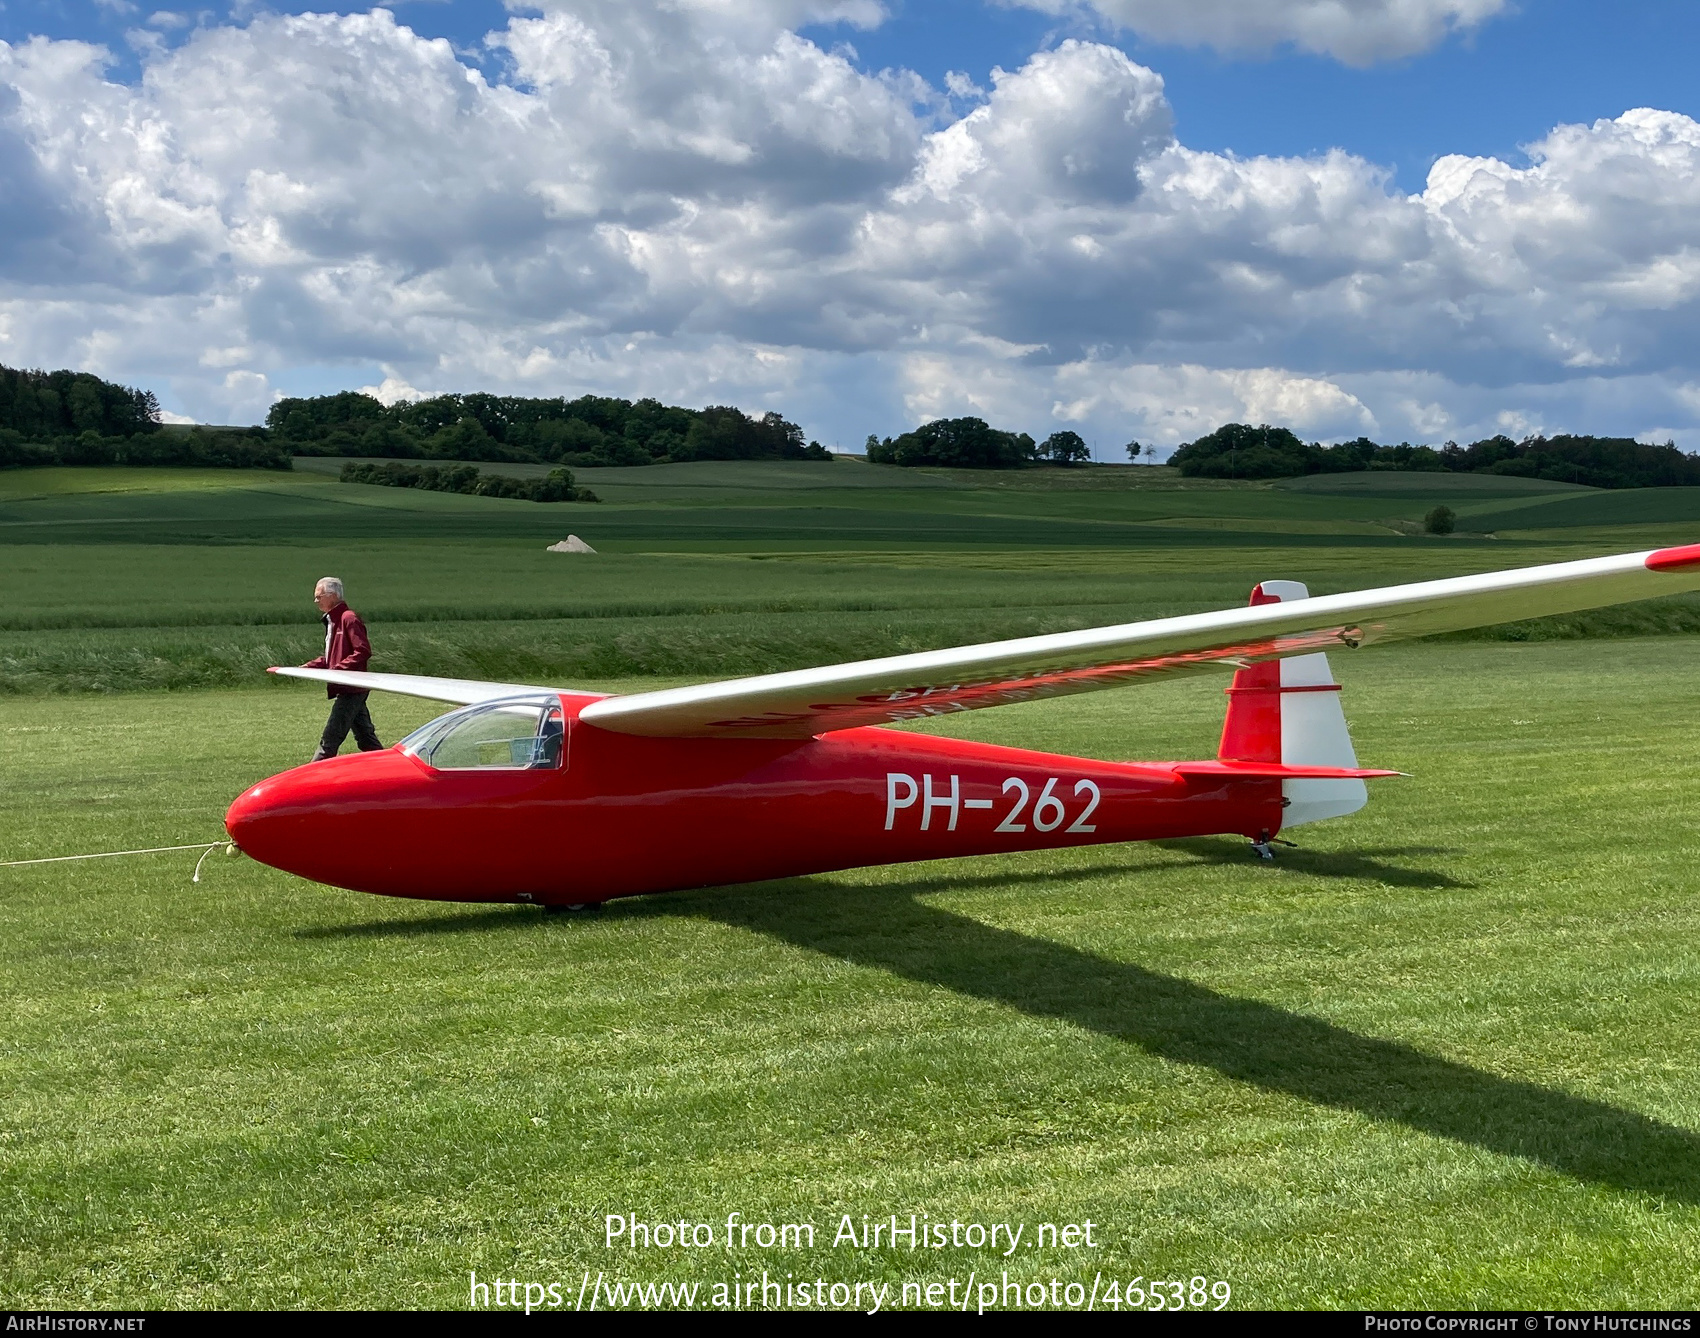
{"x": 747, "y": 203}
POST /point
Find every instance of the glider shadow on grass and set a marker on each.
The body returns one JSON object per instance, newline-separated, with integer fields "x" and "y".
{"x": 509, "y": 917}
{"x": 1243, "y": 1039}
{"x": 890, "y": 929}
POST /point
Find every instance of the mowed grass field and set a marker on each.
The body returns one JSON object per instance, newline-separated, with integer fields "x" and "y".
{"x": 1441, "y": 1055}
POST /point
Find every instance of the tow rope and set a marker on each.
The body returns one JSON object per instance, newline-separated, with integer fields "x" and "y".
{"x": 205, "y": 847}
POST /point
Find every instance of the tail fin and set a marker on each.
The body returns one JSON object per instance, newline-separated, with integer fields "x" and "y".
{"x": 1288, "y": 711}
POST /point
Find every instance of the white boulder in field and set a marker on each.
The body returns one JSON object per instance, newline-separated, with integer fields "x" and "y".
{"x": 571, "y": 544}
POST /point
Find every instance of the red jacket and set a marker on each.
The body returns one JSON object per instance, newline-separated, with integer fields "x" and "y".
{"x": 346, "y": 647}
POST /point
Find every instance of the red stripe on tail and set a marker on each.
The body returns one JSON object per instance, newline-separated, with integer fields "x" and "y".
{"x": 1252, "y": 731}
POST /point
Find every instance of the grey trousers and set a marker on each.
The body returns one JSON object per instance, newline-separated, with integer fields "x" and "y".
{"x": 348, "y": 713}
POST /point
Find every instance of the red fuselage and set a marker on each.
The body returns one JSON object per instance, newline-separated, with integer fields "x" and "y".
{"x": 625, "y": 815}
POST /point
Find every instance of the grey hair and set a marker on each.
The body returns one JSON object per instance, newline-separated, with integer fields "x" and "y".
{"x": 331, "y": 583}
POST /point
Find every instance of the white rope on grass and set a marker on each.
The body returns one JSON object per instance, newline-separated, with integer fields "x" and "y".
{"x": 229, "y": 849}
{"x": 205, "y": 847}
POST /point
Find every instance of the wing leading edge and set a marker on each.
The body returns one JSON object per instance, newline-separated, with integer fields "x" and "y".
{"x": 907, "y": 687}
{"x": 462, "y": 691}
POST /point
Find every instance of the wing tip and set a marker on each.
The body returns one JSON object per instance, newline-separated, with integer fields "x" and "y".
{"x": 1674, "y": 559}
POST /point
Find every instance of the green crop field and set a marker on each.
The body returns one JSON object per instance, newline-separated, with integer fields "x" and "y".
{"x": 1441, "y": 1055}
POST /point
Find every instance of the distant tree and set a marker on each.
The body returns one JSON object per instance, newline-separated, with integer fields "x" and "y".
{"x": 463, "y": 440}
{"x": 958, "y": 443}
{"x": 1239, "y": 451}
{"x": 87, "y": 412}
{"x": 1134, "y": 450}
{"x": 312, "y": 419}
{"x": 1440, "y": 521}
{"x": 1065, "y": 448}
{"x": 1404, "y": 456}
{"x": 723, "y": 432}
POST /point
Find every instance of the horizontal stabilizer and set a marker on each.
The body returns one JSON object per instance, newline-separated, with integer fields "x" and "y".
{"x": 1275, "y": 771}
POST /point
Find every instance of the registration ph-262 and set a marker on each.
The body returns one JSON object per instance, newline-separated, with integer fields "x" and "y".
{"x": 931, "y": 799}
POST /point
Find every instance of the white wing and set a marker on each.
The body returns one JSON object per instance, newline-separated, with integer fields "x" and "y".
{"x": 906, "y": 687}
{"x": 465, "y": 691}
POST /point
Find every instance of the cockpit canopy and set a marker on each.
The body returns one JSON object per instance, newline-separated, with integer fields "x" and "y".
{"x": 516, "y": 734}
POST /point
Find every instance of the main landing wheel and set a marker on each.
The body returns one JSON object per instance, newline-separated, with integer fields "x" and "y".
{"x": 576, "y": 908}
{"x": 1265, "y": 845}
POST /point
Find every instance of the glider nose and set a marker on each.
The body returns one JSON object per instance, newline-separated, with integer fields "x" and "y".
{"x": 245, "y": 816}
{"x": 253, "y": 821}
{"x": 324, "y": 820}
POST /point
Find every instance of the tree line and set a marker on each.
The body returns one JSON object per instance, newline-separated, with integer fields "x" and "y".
{"x": 588, "y": 432}
{"x": 555, "y": 486}
{"x": 76, "y": 418}
{"x": 1240, "y": 451}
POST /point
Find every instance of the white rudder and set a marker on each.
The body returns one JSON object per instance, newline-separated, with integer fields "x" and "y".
{"x": 1313, "y": 731}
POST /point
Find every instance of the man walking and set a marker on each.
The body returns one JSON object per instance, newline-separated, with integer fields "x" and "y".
{"x": 346, "y": 647}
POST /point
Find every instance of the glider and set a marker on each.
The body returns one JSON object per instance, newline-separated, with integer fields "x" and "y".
{"x": 566, "y": 799}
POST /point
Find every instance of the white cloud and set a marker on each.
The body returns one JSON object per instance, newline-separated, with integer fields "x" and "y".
{"x": 246, "y": 395}
{"x": 691, "y": 201}
{"x": 1358, "y": 32}
{"x": 1113, "y": 402}
{"x": 1118, "y": 401}
{"x": 959, "y": 85}
{"x": 1073, "y": 124}
{"x": 392, "y": 390}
